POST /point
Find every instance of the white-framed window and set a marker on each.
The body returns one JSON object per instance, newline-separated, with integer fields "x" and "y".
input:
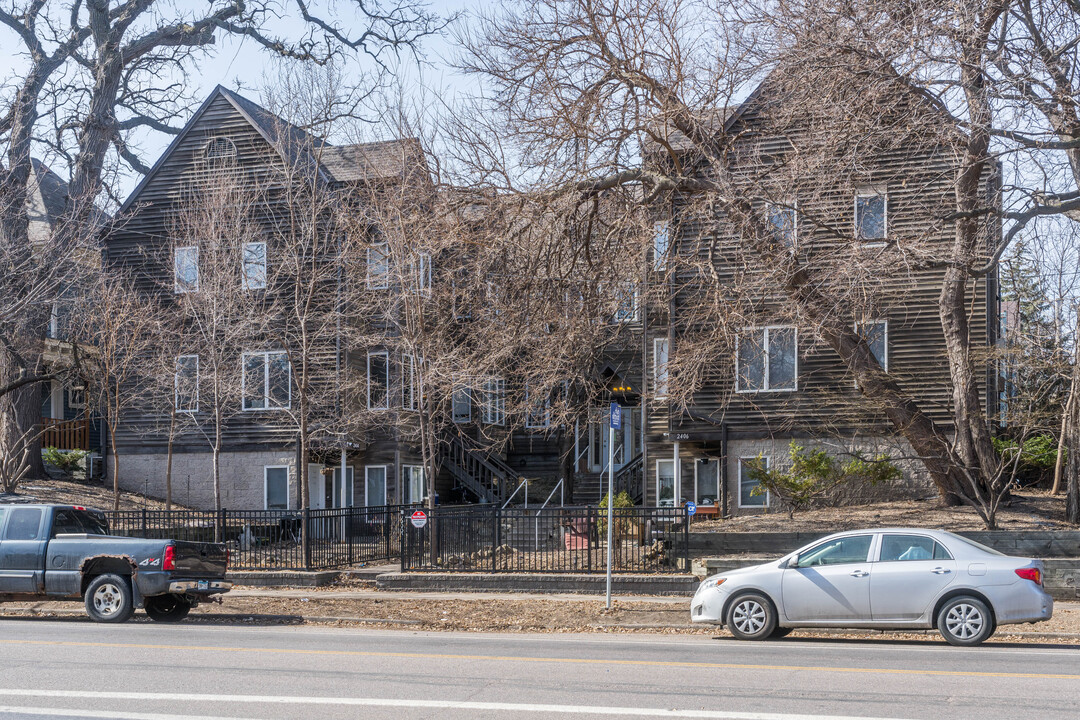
{"x": 876, "y": 335}
{"x": 76, "y": 396}
{"x": 537, "y": 409}
{"x": 412, "y": 484}
{"x": 626, "y": 303}
{"x": 378, "y": 385}
{"x": 665, "y": 483}
{"x": 374, "y": 485}
{"x": 186, "y": 269}
{"x": 267, "y": 380}
{"x": 783, "y": 223}
{"x": 343, "y": 496}
{"x": 706, "y": 481}
{"x": 461, "y": 405}
{"x": 378, "y": 266}
{"x": 767, "y": 360}
{"x": 254, "y": 265}
{"x": 276, "y": 495}
{"x": 747, "y": 484}
{"x": 660, "y": 366}
{"x": 494, "y": 401}
{"x": 420, "y": 272}
{"x": 186, "y": 384}
{"x": 410, "y": 383}
{"x": 871, "y": 216}
{"x": 661, "y": 244}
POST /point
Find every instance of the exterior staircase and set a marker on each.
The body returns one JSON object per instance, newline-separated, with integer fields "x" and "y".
{"x": 590, "y": 488}
{"x": 487, "y": 477}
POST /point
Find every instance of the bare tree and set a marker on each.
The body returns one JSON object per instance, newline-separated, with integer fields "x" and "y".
{"x": 94, "y": 75}
{"x": 122, "y": 327}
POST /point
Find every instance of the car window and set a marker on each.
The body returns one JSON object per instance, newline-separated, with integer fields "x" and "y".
{"x": 3, "y": 514}
{"x": 838, "y": 551}
{"x": 940, "y": 553}
{"x": 895, "y": 548}
{"x": 23, "y": 524}
{"x": 972, "y": 543}
{"x": 78, "y": 521}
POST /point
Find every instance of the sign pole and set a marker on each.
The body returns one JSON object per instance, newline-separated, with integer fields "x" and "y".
{"x": 614, "y": 422}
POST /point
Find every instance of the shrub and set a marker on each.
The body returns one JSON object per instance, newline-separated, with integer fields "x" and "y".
{"x": 1038, "y": 455}
{"x": 623, "y": 525}
{"x": 66, "y": 460}
{"x": 814, "y": 474}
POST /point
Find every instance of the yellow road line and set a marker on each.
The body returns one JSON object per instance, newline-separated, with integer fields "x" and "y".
{"x": 578, "y": 661}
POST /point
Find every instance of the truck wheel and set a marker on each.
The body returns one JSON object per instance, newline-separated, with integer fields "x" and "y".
{"x": 167, "y": 608}
{"x": 108, "y": 599}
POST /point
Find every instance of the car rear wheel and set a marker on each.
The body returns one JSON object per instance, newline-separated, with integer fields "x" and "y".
{"x": 108, "y": 599}
{"x": 167, "y": 608}
{"x": 965, "y": 621}
{"x": 751, "y": 617}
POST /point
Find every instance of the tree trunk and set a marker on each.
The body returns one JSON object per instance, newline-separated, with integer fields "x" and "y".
{"x": 169, "y": 460}
{"x": 1069, "y": 413}
{"x": 115, "y": 466}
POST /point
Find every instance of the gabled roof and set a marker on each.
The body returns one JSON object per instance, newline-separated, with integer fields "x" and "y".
{"x": 350, "y": 163}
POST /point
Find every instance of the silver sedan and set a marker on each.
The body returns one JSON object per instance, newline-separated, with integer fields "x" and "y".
{"x": 886, "y": 579}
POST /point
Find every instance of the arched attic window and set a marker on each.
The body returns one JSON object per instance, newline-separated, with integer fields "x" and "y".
{"x": 220, "y": 151}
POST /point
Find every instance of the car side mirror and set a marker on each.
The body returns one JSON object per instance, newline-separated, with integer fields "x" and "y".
{"x": 792, "y": 561}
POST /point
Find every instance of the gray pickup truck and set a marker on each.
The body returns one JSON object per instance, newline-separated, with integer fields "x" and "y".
{"x": 65, "y": 552}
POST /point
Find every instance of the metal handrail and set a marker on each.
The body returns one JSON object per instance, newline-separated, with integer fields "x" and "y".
{"x": 536, "y": 518}
{"x": 524, "y": 482}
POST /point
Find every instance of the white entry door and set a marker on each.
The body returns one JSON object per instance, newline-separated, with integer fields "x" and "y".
{"x": 317, "y": 487}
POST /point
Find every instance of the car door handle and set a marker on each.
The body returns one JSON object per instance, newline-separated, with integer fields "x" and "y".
{"x": 941, "y": 571}
{"x": 859, "y": 573}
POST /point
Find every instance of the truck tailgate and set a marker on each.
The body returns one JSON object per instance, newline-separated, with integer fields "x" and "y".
{"x": 194, "y": 559}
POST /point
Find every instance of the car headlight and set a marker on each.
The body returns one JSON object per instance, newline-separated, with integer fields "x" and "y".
{"x": 711, "y": 583}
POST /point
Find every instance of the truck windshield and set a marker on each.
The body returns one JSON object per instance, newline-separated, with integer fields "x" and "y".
{"x": 69, "y": 520}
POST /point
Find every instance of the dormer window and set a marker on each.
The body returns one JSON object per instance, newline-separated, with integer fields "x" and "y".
{"x": 220, "y": 151}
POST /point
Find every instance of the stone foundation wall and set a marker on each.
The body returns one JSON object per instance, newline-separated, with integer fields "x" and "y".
{"x": 915, "y": 482}
{"x": 242, "y": 479}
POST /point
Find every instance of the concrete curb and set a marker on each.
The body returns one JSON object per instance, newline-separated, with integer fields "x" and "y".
{"x": 682, "y": 585}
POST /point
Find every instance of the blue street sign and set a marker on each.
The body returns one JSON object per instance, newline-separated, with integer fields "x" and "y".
{"x": 691, "y": 507}
{"x": 616, "y": 416}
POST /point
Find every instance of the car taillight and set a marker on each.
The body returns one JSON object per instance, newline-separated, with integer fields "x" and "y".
{"x": 169, "y": 562}
{"x": 1031, "y": 574}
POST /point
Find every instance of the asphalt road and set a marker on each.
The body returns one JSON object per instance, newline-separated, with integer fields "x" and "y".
{"x": 76, "y": 669}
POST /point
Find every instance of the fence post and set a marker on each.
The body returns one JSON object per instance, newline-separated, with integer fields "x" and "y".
{"x": 495, "y": 534}
{"x": 348, "y": 521}
{"x": 305, "y": 537}
{"x": 588, "y": 536}
{"x": 403, "y": 539}
{"x": 686, "y": 544}
{"x": 144, "y": 522}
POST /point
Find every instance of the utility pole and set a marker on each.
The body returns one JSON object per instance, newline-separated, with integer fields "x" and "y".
{"x": 614, "y": 423}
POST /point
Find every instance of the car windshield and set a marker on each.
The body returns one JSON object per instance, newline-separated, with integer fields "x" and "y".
{"x": 974, "y": 544}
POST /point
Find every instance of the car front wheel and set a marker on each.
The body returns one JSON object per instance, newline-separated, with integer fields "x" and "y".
{"x": 167, "y": 608}
{"x": 751, "y": 617}
{"x": 965, "y": 621}
{"x": 108, "y": 599}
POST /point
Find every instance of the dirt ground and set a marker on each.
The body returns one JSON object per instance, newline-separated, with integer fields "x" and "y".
{"x": 1029, "y": 509}
{"x": 501, "y": 613}
{"x": 73, "y": 492}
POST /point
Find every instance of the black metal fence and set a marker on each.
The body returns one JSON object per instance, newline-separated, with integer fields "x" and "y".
{"x": 273, "y": 539}
{"x": 487, "y": 538}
